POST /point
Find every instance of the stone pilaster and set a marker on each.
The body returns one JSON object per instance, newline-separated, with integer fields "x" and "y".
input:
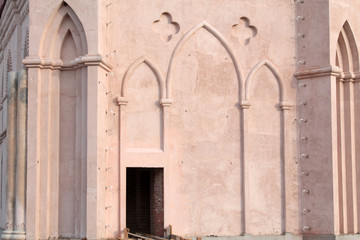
{"x": 10, "y": 186}
{"x": 244, "y": 106}
{"x": 21, "y": 154}
{"x": 317, "y": 131}
{"x": 96, "y": 146}
{"x": 15, "y": 227}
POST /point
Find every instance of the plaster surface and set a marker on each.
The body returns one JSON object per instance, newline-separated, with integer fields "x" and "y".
{"x": 249, "y": 107}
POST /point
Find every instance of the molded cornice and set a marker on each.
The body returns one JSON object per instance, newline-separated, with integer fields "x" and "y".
{"x": 318, "y": 72}
{"x": 88, "y": 60}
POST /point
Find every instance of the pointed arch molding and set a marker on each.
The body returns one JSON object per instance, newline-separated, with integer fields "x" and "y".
{"x": 347, "y": 51}
{"x": 183, "y": 40}
{"x": 253, "y": 72}
{"x": 63, "y": 20}
{"x": 153, "y": 67}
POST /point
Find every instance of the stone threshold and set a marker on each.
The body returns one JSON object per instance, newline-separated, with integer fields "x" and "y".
{"x": 249, "y": 237}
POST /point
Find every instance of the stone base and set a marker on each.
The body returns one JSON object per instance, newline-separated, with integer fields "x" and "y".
{"x": 19, "y": 235}
{"x": 251, "y": 237}
{"x": 287, "y": 237}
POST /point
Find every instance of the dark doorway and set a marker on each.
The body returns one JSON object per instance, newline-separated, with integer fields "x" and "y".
{"x": 145, "y": 200}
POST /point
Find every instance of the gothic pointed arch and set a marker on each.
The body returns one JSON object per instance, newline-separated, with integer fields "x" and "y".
{"x": 264, "y": 90}
{"x": 253, "y": 72}
{"x": 347, "y": 56}
{"x": 153, "y": 67}
{"x": 63, "y": 21}
{"x": 143, "y": 85}
{"x": 212, "y": 30}
{"x": 348, "y": 115}
{"x": 204, "y": 82}
{"x": 63, "y": 46}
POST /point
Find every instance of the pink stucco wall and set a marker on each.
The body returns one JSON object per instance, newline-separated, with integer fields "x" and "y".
{"x": 249, "y": 107}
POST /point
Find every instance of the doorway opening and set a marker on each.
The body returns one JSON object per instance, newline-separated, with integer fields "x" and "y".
{"x": 145, "y": 200}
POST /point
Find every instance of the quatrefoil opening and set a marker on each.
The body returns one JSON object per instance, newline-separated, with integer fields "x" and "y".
{"x": 165, "y": 27}
{"x": 243, "y": 31}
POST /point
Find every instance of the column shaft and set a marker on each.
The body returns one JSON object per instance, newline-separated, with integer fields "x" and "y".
{"x": 11, "y": 158}
{"x": 21, "y": 153}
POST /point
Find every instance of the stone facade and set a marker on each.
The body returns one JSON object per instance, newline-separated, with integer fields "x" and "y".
{"x": 14, "y": 25}
{"x": 229, "y": 119}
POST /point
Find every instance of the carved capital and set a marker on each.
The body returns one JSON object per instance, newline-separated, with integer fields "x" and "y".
{"x": 165, "y": 102}
{"x": 122, "y": 101}
{"x": 348, "y": 80}
{"x": 245, "y": 105}
{"x": 357, "y": 77}
{"x": 287, "y": 105}
{"x": 348, "y": 76}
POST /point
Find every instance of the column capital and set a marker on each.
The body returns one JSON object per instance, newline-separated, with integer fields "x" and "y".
{"x": 165, "y": 102}
{"x": 245, "y": 104}
{"x": 122, "y": 101}
{"x": 287, "y": 105}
